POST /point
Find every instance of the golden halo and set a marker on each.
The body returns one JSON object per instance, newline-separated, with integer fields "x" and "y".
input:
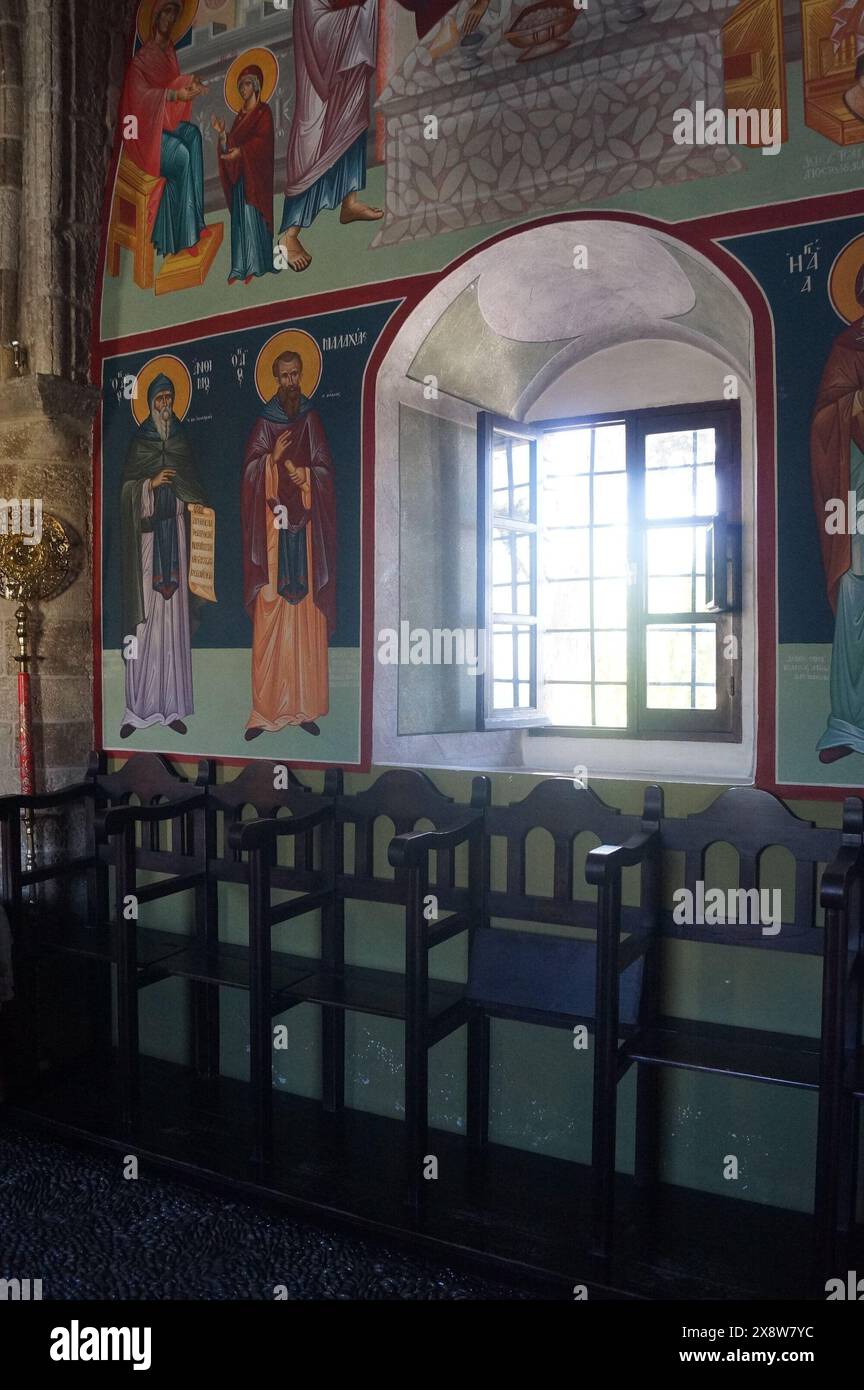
{"x": 185, "y": 19}
{"x": 179, "y": 377}
{"x": 253, "y": 57}
{"x": 288, "y": 340}
{"x": 842, "y": 277}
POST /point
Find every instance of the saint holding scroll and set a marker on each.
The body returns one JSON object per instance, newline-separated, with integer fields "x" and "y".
{"x": 161, "y": 489}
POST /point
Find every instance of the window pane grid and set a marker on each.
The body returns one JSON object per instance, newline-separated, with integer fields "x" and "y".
{"x": 585, "y": 561}
{"x": 681, "y": 666}
{"x": 597, "y": 669}
{"x": 670, "y": 455}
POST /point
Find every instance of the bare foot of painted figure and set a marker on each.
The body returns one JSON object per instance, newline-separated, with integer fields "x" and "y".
{"x": 354, "y": 211}
{"x": 295, "y": 252}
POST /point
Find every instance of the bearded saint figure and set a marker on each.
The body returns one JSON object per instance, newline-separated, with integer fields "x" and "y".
{"x": 160, "y": 487}
{"x": 288, "y": 517}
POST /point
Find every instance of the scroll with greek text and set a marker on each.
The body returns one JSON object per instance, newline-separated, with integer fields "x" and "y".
{"x": 202, "y": 552}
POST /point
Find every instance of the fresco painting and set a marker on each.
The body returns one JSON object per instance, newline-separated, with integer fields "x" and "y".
{"x": 305, "y": 154}
{"x": 233, "y": 547}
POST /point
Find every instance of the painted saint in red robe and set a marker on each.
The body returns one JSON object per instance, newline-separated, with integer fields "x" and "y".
{"x": 246, "y": 172}
{"x": 288, "y": 517}
{"x": 160, "y": 138}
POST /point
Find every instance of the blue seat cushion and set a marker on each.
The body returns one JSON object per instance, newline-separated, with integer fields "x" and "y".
{"x": 548, "y": 974}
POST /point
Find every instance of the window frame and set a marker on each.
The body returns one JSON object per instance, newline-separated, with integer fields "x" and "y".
{"x": 488, "y": 718}
{"x": 723, "y": 724}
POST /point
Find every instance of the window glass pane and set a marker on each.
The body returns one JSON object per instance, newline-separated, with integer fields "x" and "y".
{"x": 706, "y": 491}
{"x": 610, "y": 448}
{"x": 511, "y": 666}
{"x": 610, "y": 603}
{"x": 610, "y": 656}
{"x": 610, "y": 499}
{"x": 522, "y": 503}
{"x": 511, "y": 572}
{"x": 502, "y": 654}
{"x": 567, "y": 656}
{"x": 670, "y": 595}
{"x": 567, "y": 451}
{"x": 610, "y": 551}
{"x": 567, "y": 604}
{"x": 705, "y": 446}
{"x": 676, "y": 551}
{"x": 523, "y": 598}
{"x": 520, "y": 455}
{"x": 567, "y": 499}
{"x": 669, "y": 653}
{"x": 669, "y": 697}
{"x": 674, "y": 450}
{"x": 681, "y": 666}
{"x": 567, "y": 554}
{"x": 610, "y": 702}
{"x": 500, "y": 477}
{"x": 502, "y": 695}
{"x": 706, "y": 656}
{"x": 669, "y": 492}
{"x": 569, "y": 704}
{"x": 523, "y": 651}
{"x": 670, "y": 550}
{"x": 503, "y": 557}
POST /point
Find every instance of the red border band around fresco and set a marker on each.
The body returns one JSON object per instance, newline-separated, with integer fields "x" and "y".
{"x": 702, "y": 234}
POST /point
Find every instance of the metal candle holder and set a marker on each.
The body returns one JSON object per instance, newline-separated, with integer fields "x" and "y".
{"x": 31, "y": 574}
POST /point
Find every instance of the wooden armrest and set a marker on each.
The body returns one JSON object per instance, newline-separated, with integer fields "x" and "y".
{"x": 45, "y": 801}
{"x": 415, "y": 845}
{"x": 116, "y": 818}
{"x": 839, "y": 875}
{"x": 254, "y": 834}
{"x": 607, "y": 861}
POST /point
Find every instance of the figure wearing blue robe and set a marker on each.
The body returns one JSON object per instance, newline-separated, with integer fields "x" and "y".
{"x": 180, "y": 219}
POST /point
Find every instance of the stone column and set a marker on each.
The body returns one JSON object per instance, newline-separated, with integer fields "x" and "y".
{"x": 11, "y": 163}
{"x": 61, "y": 70}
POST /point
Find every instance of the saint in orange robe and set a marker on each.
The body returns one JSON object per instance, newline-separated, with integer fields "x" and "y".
{"x": 289, "y": 567}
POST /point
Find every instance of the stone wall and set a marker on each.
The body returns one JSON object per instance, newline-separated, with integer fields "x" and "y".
{"x": 61, "y": 70}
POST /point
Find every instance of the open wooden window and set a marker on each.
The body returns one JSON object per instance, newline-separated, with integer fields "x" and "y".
{"x": 609, "y": 573}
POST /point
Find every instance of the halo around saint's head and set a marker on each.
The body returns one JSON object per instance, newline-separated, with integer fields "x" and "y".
{"x": 288, "y": 340}
{"x": 268, "y": 67}
{"x": 148, "y": 10}
{"x": 177, "y": 374}
{"x": 842, "y": 277}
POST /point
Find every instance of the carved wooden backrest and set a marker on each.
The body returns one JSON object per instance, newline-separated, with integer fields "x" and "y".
{"x": 150, "y": 779}
{"x": 565, "y": 810}
{"x": 266, "y": 789}
{"x": 406, "y": 797}
{"x": 753, "y": 822}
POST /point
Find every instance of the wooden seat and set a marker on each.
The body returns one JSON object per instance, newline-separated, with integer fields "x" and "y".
{"x": 562, "y": 980}
{"x": 752, "y": 822}
{"x": 89, "y": 929}
{"x": 244, "y": 851}
{"x": 430, "y": 1009}
{"x": 129, "y": 226}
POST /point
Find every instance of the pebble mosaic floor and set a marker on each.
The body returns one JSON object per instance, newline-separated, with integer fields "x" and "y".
{"x": 69, "y": 1218}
